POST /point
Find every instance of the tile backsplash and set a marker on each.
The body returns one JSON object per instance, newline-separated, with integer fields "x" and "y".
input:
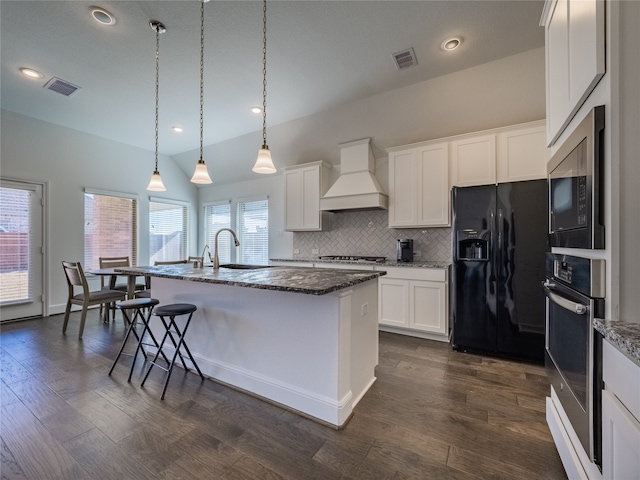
{"x": 368, "y": 233}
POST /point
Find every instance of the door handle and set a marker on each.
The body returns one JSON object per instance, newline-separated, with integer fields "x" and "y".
{"x": 567, "y": 304}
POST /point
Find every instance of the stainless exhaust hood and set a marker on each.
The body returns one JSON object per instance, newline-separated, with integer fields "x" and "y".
{"x": 357, "y": 188}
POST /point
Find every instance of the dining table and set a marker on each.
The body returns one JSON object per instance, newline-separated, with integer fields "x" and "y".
{"x": 111, "y": 272}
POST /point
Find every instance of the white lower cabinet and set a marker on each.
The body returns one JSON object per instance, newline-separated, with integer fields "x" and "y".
{"x": 415, "y": 299}
{"x": 620, "y": 415}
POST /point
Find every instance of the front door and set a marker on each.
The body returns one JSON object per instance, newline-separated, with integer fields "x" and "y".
{"x": 21, "y": 250}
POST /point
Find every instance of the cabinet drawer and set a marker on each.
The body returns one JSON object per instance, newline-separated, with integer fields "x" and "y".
{"x": 621, "y": 377}
{"x": 415, "y": 273}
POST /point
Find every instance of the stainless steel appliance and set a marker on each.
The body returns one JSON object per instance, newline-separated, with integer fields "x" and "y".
{"x": 576, "y": 180}
{"x": 575, "y": 291}
{"x": 354, "y": 258}
{"x": 500, "y": 241}
{"x": 404, "y": 250}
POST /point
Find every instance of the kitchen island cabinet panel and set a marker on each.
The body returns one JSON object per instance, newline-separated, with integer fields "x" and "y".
{"x": 315, "y": 354}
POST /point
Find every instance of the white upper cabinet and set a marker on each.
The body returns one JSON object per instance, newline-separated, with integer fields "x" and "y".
{"x": 575, "y": 57}
{"x": 419, "y": 186}
{"x": 304, "y": 185}
{"x": 508, "y": 154}
{"x": 522, "y": 153}
{"x": 473, "y": 161}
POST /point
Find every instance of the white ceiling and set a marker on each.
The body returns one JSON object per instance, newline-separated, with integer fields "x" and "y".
{"x": 321, "y": 54}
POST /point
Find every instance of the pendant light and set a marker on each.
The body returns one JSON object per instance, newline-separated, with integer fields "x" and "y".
{"x": 201, "y": 175}
{"x": 264, "y": 163}
{"x": 156, "y": 185}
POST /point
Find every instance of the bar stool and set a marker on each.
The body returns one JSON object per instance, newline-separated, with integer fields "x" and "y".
{"x": 138, "y": 306}
{"x": 172, "y": 311}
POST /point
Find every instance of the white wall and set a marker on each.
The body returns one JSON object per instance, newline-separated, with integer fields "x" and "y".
{"x": 68, "y": 161}
{"x": 504, "y": 92}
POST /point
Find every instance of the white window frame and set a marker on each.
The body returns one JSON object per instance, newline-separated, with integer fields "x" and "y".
{"x": 135, "y": 228}
{"x": 185, "y": 228}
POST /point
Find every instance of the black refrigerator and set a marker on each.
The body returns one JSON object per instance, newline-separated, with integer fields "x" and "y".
{"x": 500, "y": 237}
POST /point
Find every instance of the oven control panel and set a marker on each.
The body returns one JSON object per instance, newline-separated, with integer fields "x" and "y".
{"x": 563, "y": 271}
{"x": 586, "y": 275}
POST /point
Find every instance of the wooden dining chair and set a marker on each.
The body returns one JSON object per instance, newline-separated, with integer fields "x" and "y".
{"x": 193, "y": 260}
{"x": 114, "y": 262}
{"x": 171, "y": 262}
{"x": 76, "y": 279}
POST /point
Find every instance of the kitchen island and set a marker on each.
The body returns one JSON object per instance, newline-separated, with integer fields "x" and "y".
{"x": 304, "y": 338}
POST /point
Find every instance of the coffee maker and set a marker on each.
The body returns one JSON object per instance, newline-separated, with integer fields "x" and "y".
{"x": 404, "y": 249}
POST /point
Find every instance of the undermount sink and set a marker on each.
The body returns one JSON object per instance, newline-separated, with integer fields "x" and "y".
{"x": 243, "y": 266}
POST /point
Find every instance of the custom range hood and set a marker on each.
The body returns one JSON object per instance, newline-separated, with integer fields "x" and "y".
{"x": 357, "y": 188}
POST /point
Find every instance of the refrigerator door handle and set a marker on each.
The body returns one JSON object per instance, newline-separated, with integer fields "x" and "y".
{"x": 492, "y": 249}
{"x": 500, "y": 237}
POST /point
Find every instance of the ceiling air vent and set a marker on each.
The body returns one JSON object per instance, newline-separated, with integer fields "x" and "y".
{"x": 61, "y": 86}
{"x": 405, "y": 59}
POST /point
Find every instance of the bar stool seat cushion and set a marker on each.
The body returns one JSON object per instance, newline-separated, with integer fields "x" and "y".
{"x": 137, "y": 303}
{"x": 174, "y": 309}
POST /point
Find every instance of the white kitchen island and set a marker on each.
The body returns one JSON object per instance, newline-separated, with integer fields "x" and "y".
{"x": 304, "y": 338}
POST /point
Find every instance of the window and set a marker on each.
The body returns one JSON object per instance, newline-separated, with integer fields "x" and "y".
{"x": 217, "y": 216}
{"x": 253, "y": 231}
{"x": 167, "y": 230}
{"x": 110, "y": 224}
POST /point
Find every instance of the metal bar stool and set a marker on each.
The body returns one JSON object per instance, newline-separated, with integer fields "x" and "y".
{"x": 173, "y": 332}
{"x": 137, "y": 306}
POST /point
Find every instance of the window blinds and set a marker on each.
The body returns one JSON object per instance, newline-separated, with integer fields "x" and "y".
{"x": 253, "y": 231}
{"x": 218, "y": 216}
{"x": 110, "y": 224}
{"x": 167, "y": 231}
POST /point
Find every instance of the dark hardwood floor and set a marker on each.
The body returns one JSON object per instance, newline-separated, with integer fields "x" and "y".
{"x": 432, "y": 414}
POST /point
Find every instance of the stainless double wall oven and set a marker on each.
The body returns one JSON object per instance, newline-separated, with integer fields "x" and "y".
{"x": 575, "y": 291}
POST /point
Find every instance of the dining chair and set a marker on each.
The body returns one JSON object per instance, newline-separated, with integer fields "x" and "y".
{"x": 171, "y": 262}
{"x": 199, "y": 260}
{"x": 76, "y": 279}
{"x": 114, "y": 262}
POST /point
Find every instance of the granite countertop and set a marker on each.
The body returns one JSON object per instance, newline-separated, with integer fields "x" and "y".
{"x": 624, "y": 335}
{"x": 312, "y": 281}
{"x": 388, "y": 263}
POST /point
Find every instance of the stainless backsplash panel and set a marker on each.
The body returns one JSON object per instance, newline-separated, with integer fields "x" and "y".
{"x": 368, "y": 233}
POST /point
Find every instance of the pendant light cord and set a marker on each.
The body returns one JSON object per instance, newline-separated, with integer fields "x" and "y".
{"x": 201, "y": 74}
{"x": 157, "y": 29}
{"x": 264, "y": 75}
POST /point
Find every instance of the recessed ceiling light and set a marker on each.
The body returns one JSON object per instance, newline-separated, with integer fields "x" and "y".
{"x": 177, "y": 129}
{"x": 31, "y": 73}
{"x": 256, "y": 110}
{"x": 451, "y": 44}
{"x": 100, "y": 15}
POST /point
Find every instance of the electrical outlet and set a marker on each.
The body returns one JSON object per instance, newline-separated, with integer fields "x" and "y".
{"x": 296, "y": 251}
{"x": 416, "y": 253}
{"x": 315, "y": 251}
{"x": 365, "y": 309}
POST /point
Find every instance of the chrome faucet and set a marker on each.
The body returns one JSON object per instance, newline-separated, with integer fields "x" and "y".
{"x": 216, "y": 262}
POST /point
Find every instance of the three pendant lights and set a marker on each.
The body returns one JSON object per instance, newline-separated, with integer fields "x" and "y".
{"x": 263, "y": 164}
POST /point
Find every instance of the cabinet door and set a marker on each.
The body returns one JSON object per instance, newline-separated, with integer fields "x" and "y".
{"x": 428, "y": 306}
{"x": 433, "y": 192}
{"x": 620, "y": 440}
{"x": 310, "y": 198}
{"x": 522, "y": 154}
{"x": 473, "y": 161}
{"x": 393, "y": 302}
{"x": 575, "y": 57}
{"x": 403, "y": 189}
{"x": 293, "y": 196}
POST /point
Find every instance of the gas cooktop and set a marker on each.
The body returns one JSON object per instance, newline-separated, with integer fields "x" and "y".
{"x": 354, "y": 258}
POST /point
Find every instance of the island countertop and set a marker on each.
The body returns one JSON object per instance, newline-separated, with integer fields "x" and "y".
{"x": 312, "y": 281}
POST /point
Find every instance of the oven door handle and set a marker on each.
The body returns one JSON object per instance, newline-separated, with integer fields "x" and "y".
{"x": 573, "y": 307}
